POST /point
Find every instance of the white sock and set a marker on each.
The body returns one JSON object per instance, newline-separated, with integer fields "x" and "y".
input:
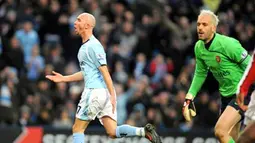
{"x": 140, "y": 132}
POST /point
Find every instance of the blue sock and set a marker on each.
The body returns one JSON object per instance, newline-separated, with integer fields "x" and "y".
{"x": 129, "y": 131}
{"x": 78, "y": 137}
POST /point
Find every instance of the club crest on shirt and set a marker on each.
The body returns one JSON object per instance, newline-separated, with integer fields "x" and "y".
{"x": 218, "y": 59}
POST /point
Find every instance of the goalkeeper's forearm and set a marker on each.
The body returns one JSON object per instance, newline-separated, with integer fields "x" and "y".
{"x": 78, "y": 76}
{"x": 196, "y": 84}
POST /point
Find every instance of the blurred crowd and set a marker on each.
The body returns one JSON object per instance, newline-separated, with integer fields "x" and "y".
{"x": 149, "y": 46}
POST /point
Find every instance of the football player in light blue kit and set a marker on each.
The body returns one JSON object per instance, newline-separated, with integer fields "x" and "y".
{"x": 98, "y": 98}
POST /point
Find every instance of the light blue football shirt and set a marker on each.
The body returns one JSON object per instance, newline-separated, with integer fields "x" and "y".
{"x": 91, "y": 55}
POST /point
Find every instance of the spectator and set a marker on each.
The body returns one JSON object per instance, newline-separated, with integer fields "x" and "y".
{"x": 13, "y": 56}
{"x": 44, "y": 117}
{"x": 137, "y": 117}
{"x": 53, "y": 56}
{"x": 9, "y": 25}
{"x": 60, "y": 95}
{"x": 35, "y": 64}
{"x": 157, "y": 68}
{"x": 122, "y": 98}
{"x": 8, "y": 83}
{"x": 64, "y": 121}
{"x": 28, "y": 38}
{"x": 140, "y": 65}
{"x": 119, "y": 74}
{"x": 128, "y": 40}
{"x": 70, "y": 107}
{"x": 24, "y": 119}
{"x": 154, "y": 116}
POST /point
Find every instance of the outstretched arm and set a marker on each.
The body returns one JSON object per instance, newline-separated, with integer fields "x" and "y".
{"x": 57, "y": 77}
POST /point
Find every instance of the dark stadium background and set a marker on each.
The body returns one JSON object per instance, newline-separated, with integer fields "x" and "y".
{"x": 149, "y": 46}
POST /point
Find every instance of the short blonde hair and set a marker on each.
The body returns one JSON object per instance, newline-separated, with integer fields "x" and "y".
{"x": 215, "y": 19}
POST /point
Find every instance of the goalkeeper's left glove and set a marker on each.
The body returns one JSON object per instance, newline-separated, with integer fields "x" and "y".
{"x": 189, "y": 109}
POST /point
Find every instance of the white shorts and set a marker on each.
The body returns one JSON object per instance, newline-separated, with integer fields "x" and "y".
{"x": 250, "y": 113}
{"x": 95, "y": 103}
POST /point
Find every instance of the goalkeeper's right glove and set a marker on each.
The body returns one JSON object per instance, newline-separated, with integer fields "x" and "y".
{"x": 189, "y": 109}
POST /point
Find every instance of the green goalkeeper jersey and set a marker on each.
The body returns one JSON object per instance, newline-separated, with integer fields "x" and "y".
{"x": 225, "y": 58}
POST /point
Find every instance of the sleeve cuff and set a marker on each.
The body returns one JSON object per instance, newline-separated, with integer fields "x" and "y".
{"x": 189, "y": 96}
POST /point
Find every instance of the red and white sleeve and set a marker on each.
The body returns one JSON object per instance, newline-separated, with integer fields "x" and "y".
{"x": 248, "y": 77}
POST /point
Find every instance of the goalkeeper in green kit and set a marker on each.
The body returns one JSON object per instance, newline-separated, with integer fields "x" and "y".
{"x": 227, "y": 60}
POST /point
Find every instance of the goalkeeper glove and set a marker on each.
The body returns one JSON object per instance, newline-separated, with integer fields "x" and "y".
{"x": 188, "y": 109}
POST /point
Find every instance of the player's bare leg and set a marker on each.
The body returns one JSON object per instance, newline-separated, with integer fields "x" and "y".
{"x": 78, "y": 129}
{"x": 248, "y": 135}
{"x": 228, "y": 119}
{"x": 115, "y": 131}
{"x": 234, "y": 132}
{"x": 110, "y": 126}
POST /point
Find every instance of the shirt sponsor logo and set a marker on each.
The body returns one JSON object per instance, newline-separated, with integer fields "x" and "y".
{"x": 222, "y": 74}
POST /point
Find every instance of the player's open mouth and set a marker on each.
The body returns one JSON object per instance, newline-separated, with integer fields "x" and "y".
{"x": 200, "y": 33}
